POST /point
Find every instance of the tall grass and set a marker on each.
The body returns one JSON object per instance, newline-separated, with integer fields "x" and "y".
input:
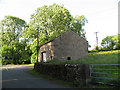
{"x": 104, "y": 57}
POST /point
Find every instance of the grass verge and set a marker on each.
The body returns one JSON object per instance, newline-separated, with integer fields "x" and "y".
{"x": 31, "y": 64}
{"x": 16, "y": 65}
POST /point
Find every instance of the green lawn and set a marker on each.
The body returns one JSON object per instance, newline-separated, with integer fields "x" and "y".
{"x": 105, "y": 57}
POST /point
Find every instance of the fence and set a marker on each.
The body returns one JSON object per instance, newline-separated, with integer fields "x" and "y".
{"x": 105, "y": 74}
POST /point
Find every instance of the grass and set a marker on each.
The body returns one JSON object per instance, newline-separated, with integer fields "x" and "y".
{"x": 105, "y": 57}
{"x": 31, "y": 64}
{"x": 16, "y": 65}
{"x": 12, "y": 65}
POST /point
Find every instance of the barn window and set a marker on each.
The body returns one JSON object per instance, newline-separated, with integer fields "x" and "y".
{"x": 68, "y": 58}
{"x": 51, "y": 57}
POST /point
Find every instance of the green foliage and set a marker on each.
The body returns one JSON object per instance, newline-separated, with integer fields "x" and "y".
{"x": 15, "y": 53}
{"x": 34, "y": 58}
{"x": 116, "y": 38}
{"x": 13, "y": 49}
{"x": 77, "y": 23}
{"x": 50, "y": 21}
{"x": 11, "y": 28}
{"x": 19, "y": 38}
{"x": 111, "y": 42}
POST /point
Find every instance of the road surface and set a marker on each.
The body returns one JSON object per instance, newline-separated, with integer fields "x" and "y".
{"x": 18, "y": 77}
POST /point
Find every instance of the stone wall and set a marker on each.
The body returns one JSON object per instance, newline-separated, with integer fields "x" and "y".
{"x": 48, "y": 48}
{"x": 68, "y": 72}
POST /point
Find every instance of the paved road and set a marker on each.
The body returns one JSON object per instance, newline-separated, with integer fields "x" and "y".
{"x": 18, "y": 77}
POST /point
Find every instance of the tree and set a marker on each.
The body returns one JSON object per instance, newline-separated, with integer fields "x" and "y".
{"x": 111, "y": 42}
{"x": 11, "y": 28}
{"x": 13, "y": 49}
{"x": 108, "y": 42}
{"x": 116, "y": 38}
{"x": 77, "y": 25}
{"x": 51, "y": 21}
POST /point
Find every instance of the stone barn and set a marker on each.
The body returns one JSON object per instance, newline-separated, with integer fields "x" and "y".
{"x": 67, "y": 46}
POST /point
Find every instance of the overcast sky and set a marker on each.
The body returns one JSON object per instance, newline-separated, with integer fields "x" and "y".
{"x": 102, "y": 15}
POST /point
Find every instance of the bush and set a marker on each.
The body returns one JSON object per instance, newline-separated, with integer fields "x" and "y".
{"x": 27, "y": 62}
{"x": 33, "y": 58}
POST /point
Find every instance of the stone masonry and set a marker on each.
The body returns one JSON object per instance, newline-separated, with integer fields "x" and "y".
{"x": 67, "y": 46}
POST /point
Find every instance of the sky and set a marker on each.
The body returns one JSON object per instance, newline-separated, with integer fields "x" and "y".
{"x": 102, "y": 15}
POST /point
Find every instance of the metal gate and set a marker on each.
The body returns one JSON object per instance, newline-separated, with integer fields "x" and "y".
{"x": 105, "y": 74}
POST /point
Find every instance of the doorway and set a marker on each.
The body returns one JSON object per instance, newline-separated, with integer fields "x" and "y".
{"x": 44, "y": 56}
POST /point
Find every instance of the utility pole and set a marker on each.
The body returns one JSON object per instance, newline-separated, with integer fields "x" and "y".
{"x": 37, "y": 43}
{"x": 96, "y": 40}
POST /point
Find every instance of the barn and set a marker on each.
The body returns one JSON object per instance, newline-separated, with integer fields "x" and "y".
{"x": 67, "y": 46}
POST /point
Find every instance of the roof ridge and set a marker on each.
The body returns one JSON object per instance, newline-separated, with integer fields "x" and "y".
{"x": 60, "y": 35}
{"x": 54, "y": 38}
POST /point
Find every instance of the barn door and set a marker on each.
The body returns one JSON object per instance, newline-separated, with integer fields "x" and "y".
{"x": 44, "y": 56}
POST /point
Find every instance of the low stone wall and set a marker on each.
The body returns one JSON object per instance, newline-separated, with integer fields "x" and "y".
{"x": 68, "y": 72}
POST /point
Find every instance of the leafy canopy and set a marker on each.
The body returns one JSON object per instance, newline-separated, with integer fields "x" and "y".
{"x": 13, "y": 49}
{"x": 11, "y": 28}
{"x": 51, "y": 21}
{"x": 77, "y": 25}
{"x": 111, "y": 42}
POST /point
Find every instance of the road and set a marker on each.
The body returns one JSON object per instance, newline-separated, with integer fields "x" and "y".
{"x": 18, "y": 77}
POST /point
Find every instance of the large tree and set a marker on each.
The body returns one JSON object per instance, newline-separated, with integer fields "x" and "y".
{"x": 51, "y": 21}
{"x": 77, "y": 25}
{"x": 116, "y": 38}
{"x": 11, "y": 28}
{"x": 111, "y": 42}
{"x": 13, "y": 49}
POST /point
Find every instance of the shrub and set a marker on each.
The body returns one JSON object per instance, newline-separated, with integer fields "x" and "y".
{"x": 33, "y": 58}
